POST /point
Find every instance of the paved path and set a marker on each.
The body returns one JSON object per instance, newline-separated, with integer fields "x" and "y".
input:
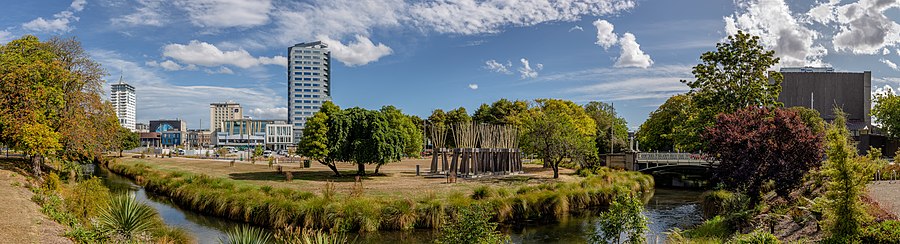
{"x": 887, "y": 193}
{"x": 21, "y": 220}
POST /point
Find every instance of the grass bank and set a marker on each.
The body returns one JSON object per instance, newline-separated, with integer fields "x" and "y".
{"x": 284, "y": 207}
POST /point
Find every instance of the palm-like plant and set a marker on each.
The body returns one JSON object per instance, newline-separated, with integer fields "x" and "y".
{"x": 246, "y": 235}
{"x": 127, "y": 218}
{"x": 320, "y": 237}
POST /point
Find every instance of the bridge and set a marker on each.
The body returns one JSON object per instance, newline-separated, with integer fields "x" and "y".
{"x": 670, "y": 169}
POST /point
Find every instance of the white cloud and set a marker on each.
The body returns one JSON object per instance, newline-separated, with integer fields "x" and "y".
{"x": 147, "y": 12}
{"x": 60, "y": 21}
{"x": 473, "y": 86}
{"x": 158, "y": 98}
{"x": 170, "y": 65}
{"x": 823, "y": 13}
{"x": 605, "y": 36}
{"x": 631, "y": 55}
{"x": 576, "y": 28}
{"x": 615, "y": 84}
{"x": 78, "y": 5}
{"x": 221, "y": 70}
{"x": 361, "y": 52}
{"x": 527, "y": 72}
{"x": 495, "y": 66}
{"x": 227, "y": 13}
{"x": 886, "y": 51}
{"x": 5, "y": 36}
{"x": 773, "y": 22}
{"x": 864, "y": 28}
{"x": 335, "y": 18}
{"x": 269, "y": 113}
{"x": 890, "y": 64}
{"x": 205, "y": 54}
{"x": 476, "y": 17}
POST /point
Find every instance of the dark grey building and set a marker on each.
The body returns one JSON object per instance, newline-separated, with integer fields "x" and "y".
{"x": 823, "y": 89}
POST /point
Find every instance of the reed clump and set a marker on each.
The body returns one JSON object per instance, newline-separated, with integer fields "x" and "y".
{"x": 286, "y": 208}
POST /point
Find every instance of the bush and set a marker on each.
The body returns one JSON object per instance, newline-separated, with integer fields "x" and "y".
{"x": 87, "y": 199}
{"x": 711, "y": 228}
{"x": 52, "y": 182}
{"x": 885, "y": 232}
{"x": 246, "y": 235}
{"x": 472, "y": 225}
{"x": 127, "y": 219}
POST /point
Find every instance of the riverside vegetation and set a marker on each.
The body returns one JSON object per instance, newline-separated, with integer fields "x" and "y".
{"x": 281, "y": 208}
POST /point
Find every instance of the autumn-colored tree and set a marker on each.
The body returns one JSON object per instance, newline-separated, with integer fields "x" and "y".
{"x": 733, "y": 77}
{"x": 557, "y": 130}
{"x": 756, "y": 145}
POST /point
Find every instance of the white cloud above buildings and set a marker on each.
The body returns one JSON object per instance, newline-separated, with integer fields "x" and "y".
{"x": 360, "y": 52}
{"x": 208, "y": 55}
{"x": 890, "y": 64}
{"x": 864, "y": 27}
{"x": 779, "y": 30}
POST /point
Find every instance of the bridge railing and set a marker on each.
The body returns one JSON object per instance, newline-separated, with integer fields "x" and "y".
{"x": 671, "y": 157}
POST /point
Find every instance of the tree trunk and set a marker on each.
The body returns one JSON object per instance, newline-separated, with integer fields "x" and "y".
{"x": 556, "y": 170}
{"x": 361, "y": 169}
{"x": 332, "y": 167}
{"x": 377, "y": 166}
{"x": 36, "y": 164}
{"x": 120, "y": 153}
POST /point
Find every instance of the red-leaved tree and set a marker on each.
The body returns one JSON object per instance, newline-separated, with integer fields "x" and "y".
{"x": 755, "y": 145}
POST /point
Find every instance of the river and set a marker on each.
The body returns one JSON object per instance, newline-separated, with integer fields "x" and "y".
{"x": 667, "y": 208}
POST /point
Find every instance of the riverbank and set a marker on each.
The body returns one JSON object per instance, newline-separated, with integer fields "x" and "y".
{"x": 258, "y": 201}
{"x": 23, "y": 221}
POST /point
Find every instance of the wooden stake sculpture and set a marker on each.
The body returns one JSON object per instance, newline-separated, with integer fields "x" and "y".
{"x": 438, "y": 136}
{"x": 481, "y": 149}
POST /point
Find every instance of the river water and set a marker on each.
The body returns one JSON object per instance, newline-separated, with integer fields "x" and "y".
{"x": 668, "y": 208}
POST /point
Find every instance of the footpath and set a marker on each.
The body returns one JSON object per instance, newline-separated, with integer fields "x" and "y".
{"x": 21, "y": 220}
{"x": 887, "y": 194}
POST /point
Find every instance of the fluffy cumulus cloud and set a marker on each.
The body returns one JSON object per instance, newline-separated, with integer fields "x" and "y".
{"x": 498, "y": 67}
{"x": 361, "y": 52}
{"x": 864, "y": 28}
{"x": 778, "y": 30}
{"x": 890, "y": 64}
{"x": 526, "y": 72}
{"x": 605, "y": 36}
{"x": 631, "y": 55}
{"x": 227, "y": 13}
{"x": 205, "y": 54}
{"x": 60, "y": 21}
{"x": 473, "y": 86}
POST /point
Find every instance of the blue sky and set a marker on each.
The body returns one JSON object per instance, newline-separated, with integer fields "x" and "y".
{"x": 182, "y": 55}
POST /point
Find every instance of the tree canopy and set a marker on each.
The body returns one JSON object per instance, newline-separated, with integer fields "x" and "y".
{"x": 658, "y": 131}
{"x": 608, "y": 123}
{"x": 733, "y": 77}
{"x": 557, "y": 130}
{"x": 887, "y": 113}
{"x": 502, "y": 111}
{"x": 50, "y": 103}
{"x": 757, "y": 145}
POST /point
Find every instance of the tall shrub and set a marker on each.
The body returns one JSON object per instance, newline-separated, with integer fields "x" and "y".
{"x": 848, "y": 174}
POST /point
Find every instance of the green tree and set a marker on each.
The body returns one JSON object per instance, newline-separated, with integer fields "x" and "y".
{"x": 127, "y": 140}
{"x": 372, "y": 139}
{"x": 502, "y": 111}
{"x": 608, "y": 123}
{"x": 624, "y": 217}
{"x": 811, "y": 118}
{"x": 557, "y": 130}
{"x": 472, "y": 225}
{"x": 733, "y": 77}
{"x": 657, "y": 132}
{"x": 848, "y": 174}
{"x": 887, "y": 112}
{"x": 408, "y": 129}
{"x": 324, "y": 136}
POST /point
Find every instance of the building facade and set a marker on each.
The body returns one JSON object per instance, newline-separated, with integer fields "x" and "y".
{"x": 220, "y": 112}
{"x": 279, "y": 135}
{"x": 167, "y": 125}
{"x": 123, "y": 100}
{"x": 141, "y": 127}
{"x": 309, "y": 82}
{"x": 822, "y": 89}
{"x": 199, "y": 138}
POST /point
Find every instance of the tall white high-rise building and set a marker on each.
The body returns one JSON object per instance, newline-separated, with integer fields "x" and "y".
{"x": 309, "y": 82}
{"x": 123, "y": 101}
{"x": 220, "y": 112}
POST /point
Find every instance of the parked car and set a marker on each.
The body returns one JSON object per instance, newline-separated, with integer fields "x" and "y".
{"x": 267, "y": 153}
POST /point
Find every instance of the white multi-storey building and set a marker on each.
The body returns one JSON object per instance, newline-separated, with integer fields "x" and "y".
{"x": 123, "y": 101}
{"x": 309, "y": 82}
{"x": 221, "y": 112}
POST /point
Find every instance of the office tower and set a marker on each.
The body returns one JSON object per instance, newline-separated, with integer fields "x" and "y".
{"x": 123, "y": 101}
{"x": 309, "y": 82}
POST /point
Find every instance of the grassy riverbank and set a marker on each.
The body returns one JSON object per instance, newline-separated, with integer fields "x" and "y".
{"x": 358, "y": 211}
